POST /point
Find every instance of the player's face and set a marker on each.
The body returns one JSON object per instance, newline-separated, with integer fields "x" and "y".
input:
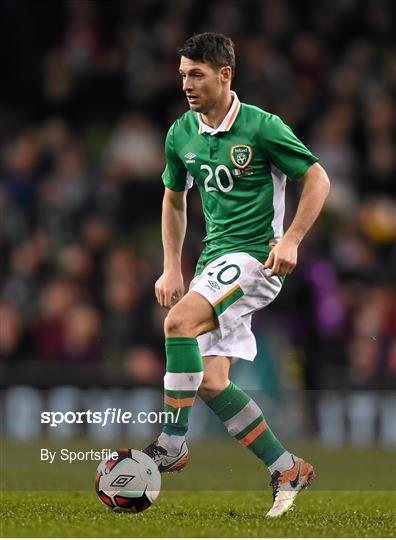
{"x": 203, "y": 84}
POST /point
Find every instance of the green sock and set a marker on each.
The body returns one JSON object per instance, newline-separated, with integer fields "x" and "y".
{"x": 184, "y": 373}
{"x": 244, "y": 420}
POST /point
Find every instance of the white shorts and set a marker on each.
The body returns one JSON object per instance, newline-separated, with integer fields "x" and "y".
{"x": 236, "y": 285}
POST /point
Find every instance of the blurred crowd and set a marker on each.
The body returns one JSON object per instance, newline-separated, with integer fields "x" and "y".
{"x": 90, "y": 88}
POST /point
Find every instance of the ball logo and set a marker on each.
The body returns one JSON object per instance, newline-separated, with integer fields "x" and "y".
{"x": 122, "y": 480}
{"x": 241, "y": 155}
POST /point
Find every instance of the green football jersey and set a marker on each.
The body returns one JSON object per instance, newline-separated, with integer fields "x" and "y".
{"x": 240, "y": 169}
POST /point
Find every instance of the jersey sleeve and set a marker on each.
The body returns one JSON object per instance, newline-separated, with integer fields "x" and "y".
{"x": 284, "y": 149}
{"x": 175, "y": 176}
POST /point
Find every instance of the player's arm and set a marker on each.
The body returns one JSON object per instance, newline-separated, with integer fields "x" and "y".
{"x": 169, "y": 288}
{"x": 283, "y": 257}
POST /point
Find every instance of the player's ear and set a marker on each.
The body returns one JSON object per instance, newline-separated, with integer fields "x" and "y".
{"x": 226, "y": 74}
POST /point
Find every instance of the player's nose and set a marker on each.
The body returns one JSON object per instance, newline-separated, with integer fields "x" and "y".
{"x": 187, "y": 84}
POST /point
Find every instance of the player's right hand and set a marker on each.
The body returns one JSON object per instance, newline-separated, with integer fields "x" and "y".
{"x": 169, "y": 288}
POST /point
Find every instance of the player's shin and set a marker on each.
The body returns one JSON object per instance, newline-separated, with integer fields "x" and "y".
{"x": 245, "y": 422}
{"x": 184, "y": 373}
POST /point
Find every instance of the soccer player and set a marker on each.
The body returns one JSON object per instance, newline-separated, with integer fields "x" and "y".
{"x": 239, "y": 157}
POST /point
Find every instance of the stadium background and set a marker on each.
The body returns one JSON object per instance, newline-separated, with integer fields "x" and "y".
{"x": 88, "y": 91}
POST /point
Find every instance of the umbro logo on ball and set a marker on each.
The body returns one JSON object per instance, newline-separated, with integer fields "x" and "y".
{"x": 122, "y": 480}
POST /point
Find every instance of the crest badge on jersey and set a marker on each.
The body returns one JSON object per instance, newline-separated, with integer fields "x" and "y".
{"x": 241, "y": 155}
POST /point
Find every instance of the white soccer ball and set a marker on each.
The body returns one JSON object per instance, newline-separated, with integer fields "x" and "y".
{"x": 130, "y": 483}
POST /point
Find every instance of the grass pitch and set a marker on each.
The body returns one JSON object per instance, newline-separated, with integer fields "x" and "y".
{"x": 223, "y": 493}
{"x": 199, "y": 514}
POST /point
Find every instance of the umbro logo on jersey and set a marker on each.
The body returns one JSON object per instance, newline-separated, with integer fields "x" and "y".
{"x": 190, "y": 157}
{"x": 241, "y": 155}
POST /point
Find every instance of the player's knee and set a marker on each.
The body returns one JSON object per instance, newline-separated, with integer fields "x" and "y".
{"x": 176, "y": 325}
{"x": 212, "y": 386}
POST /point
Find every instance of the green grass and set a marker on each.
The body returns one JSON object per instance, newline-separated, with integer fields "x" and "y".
{"x": 224, "y": 466}
{"x": 199, "y": 514}
{"x": 223, "y": 493}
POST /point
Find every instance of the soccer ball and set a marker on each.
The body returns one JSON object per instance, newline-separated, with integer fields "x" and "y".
{"x": 130, "y": 483}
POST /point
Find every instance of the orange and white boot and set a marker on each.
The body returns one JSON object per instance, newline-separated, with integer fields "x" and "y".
{"x": 287, "y": 485}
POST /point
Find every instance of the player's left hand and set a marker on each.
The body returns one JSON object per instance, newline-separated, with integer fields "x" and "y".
{"x": 283, "y": 258}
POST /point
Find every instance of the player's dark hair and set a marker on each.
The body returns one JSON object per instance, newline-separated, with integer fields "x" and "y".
{"x": 216, "y": 49}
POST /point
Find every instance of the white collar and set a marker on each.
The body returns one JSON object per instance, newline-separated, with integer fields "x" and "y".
{"x": 227, "y": 122}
